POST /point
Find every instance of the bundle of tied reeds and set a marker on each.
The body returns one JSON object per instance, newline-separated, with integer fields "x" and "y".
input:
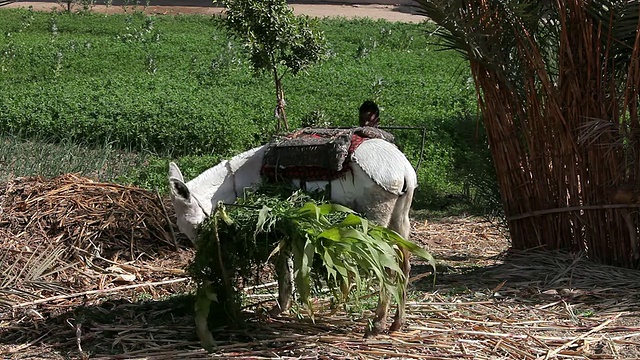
{"x": 558, "y": 85}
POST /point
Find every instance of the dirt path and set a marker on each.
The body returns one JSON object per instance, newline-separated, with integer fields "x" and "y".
{"x": 392, "y": 10}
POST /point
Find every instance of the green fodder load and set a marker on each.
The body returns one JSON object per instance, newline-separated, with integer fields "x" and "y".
{"x": 331, "y": 246}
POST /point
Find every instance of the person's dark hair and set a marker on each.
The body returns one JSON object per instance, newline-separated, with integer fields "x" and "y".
{"x": 369, "y": 114}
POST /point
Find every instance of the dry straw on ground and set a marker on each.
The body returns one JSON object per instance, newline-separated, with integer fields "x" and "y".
{"x": 71, "y": 234}
{"x": 487, "y": 303}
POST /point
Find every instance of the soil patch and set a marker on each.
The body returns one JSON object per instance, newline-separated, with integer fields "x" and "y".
{"x": 400, "y": 11}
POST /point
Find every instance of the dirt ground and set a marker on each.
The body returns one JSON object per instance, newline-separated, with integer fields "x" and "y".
{"x": 486, "y": 303}
{"x": 93, "y": 271}
{"x": 400, "y": 10}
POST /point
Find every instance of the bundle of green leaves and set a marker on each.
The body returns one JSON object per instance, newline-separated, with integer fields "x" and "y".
{"x": 330, "y": 244}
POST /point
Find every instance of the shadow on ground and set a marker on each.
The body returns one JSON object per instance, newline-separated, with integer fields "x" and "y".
{"x": 109, "y": 328}
{"x": 536, "y": 278}
{"x": 152, "y": 329}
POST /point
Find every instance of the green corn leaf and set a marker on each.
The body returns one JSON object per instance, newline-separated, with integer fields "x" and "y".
{"x": 340, "y": 267}
{"x": 330, "y": 208}
{"x": 263, "y": 214}
{"x": 310, "y": 209}
{"x": 352, "y": 220}
{"x": 350, "y": 233}
{"x": 224, "y": 215}
{"x": 303, "y": 259}
{"x": 398, "y": 240}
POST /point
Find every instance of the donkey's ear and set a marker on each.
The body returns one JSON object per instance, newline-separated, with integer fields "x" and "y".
{"x": 174, "y": 172}
{"x": 179, "y": 189}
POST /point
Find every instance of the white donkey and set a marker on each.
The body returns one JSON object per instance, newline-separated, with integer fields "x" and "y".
{"x": 379, "y": 185}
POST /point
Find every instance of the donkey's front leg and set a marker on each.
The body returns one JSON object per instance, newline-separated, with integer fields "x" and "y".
{"x": 284, "y": 275}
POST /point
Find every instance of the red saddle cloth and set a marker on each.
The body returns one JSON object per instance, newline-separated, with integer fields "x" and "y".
{"x": 315, "y": 154}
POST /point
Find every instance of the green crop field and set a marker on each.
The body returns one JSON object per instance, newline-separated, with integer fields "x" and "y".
{"x": 133, "y": 91}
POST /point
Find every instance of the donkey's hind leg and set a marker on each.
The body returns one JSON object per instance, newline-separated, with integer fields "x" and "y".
{"x": 379, "y": 209}
{"x": 398, "y": 319}
{"x": 401, "y": 223}
{"x": 284, "y": 275}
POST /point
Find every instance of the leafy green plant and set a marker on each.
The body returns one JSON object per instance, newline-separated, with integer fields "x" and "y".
{"x": 144, "y": 33}
{"x": 316, "y": 118}
{"x": 276, "y": 39}
{"x": 330, "y": 244}
{"x": 350, "y": 248}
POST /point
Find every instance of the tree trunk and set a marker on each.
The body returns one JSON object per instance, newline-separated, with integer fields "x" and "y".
{"x": 281, "y": 115}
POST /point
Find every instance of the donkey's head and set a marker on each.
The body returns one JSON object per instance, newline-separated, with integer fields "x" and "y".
{"x": 189, "y": 210}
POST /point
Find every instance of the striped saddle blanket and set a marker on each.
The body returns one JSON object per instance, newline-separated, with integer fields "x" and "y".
{"x": 315, "y": 154}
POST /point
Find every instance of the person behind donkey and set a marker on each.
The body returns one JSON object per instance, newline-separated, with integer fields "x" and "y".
{"x": 369, "y": 122}
{"x": 369, "y": 114}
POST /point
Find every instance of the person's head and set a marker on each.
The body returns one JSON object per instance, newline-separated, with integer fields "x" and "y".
{"x": 369, "y": 114}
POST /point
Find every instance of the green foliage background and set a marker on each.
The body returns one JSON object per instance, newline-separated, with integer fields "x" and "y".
{"x": 176, "y": 87}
